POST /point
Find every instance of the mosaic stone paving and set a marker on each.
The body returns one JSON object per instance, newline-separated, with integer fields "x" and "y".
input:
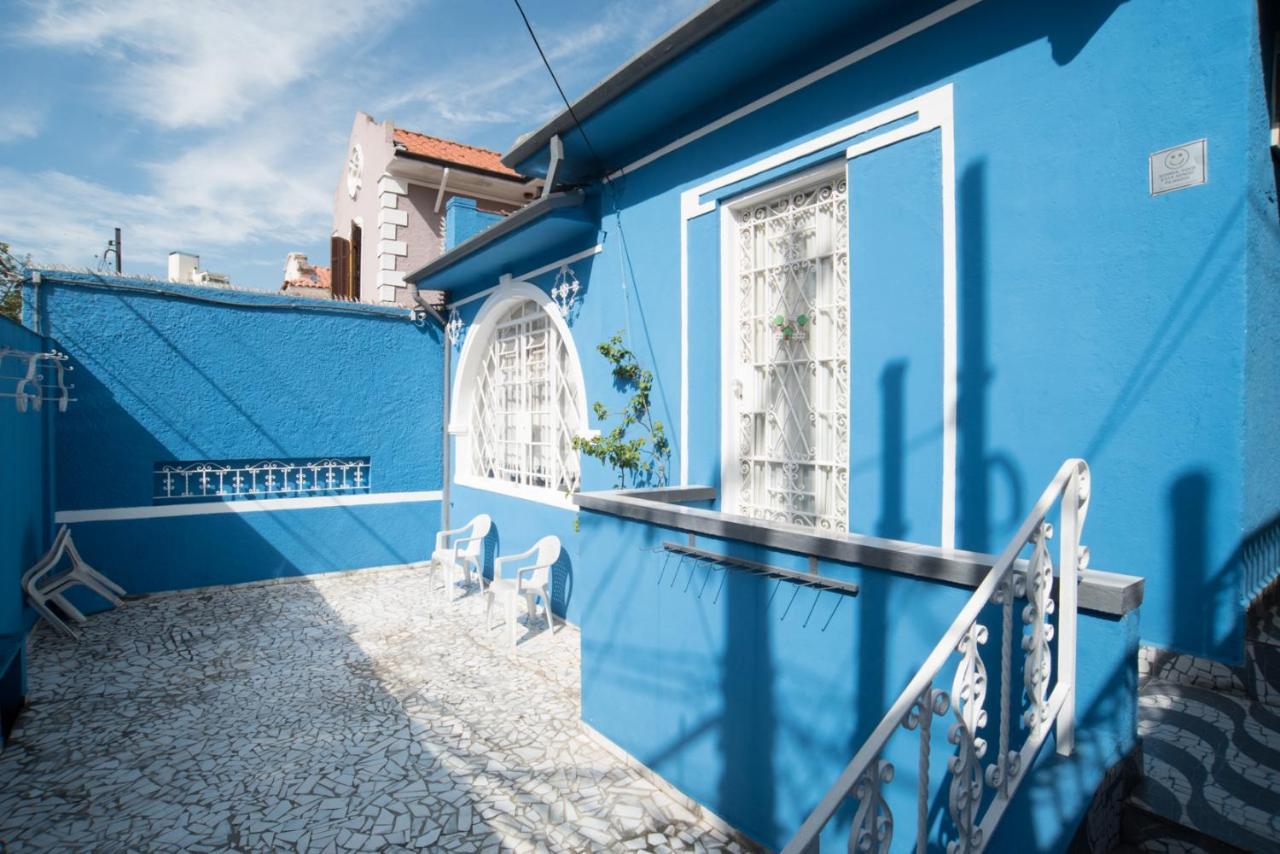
{"x": 347, "y": 714}
{"x": 1211, "y": 762}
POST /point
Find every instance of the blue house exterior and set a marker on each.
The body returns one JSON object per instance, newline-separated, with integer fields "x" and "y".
{"x": 942, "y": 303}
{"x": 1000, "y": 280}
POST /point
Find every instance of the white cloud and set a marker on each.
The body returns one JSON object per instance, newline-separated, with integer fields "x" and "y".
{"x": 506, "y": 83}
{"x": 224, "y": 197}
{"x": 256, "y": 86}
{"x": 201, "y": 64}
{"x": 19, "y": 122}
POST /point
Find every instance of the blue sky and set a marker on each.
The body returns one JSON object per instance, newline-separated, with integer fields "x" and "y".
{"x": 220, "y": 127}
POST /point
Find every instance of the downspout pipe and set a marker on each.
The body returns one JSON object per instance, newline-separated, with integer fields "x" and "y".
{"x": 446, "y": 458}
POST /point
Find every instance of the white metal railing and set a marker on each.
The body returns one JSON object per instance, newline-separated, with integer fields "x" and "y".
{"x": 978, "y": 796}
{"x": 262, "y": 479}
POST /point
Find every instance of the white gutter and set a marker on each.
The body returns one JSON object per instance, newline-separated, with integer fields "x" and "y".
{"x": 444, "y": 180}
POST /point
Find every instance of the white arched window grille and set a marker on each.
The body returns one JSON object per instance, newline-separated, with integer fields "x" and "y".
{"x": 521, "y": 392}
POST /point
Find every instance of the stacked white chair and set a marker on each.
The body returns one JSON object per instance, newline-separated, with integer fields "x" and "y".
{"x": 460, "y": 552}
{"x": 530, "y": 581}
{"x": 44, "y": 584}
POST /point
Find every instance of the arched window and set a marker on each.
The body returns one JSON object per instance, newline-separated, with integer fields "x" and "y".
{"x": 521, "y": 389}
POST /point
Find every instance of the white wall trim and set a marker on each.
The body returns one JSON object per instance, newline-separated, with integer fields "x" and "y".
{"x": 533, "y": 274}
{"x": 880, "y": 44}
{"x": 209, "y": 508}
{"x": 389, "y": 216}
{"x": 391, "y": 184}
{"x": 540, "y": 495}
{"x": 932, "y": 111}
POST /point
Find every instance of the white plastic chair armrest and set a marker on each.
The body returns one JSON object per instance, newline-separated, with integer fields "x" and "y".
{"x": 498, "y": 563}
{"x": 525, "y": 570}
{"x": 442, "y": 537}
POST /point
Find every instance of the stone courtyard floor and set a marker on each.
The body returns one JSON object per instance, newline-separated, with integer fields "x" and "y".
{"x": 344, "y": 713}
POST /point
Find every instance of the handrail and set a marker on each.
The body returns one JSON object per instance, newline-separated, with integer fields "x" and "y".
{"x": 864, "y": 776}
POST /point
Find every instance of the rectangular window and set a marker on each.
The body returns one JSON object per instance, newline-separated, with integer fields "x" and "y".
{"x": 790, "y": 384}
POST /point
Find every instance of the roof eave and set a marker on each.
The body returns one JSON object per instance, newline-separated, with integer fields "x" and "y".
{"x": 668, "y": 47}
{"x": 464, "y": 167}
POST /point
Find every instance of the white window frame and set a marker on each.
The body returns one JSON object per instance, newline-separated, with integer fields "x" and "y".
{"x": 730, "y": 459}
{"x": 475, "y": 345}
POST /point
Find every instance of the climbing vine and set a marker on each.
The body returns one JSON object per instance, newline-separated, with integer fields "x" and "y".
{"x": 10, "y": 284}
{"x": 641, "y": 457}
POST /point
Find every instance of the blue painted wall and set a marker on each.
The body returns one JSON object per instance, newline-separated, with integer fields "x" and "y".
{"x": 25, "y": 510}
{"x": 1093, "y": 320}
{"x": 751, "y": 695}
{"x": 166, "y": 372}
{"x": 462, "y": 220}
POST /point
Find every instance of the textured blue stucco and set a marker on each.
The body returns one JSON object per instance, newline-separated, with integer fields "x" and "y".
{"x": 25, "y": 510}
{"x": 462, "y": 220}
{"x": 166, "y": 373}
{"x": 751, "y": 694}
{"x": 1261, "y": 461}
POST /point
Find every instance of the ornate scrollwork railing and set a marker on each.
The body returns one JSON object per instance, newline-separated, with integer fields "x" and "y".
{"x": 981, "y": 787}
{"x": 261, "y": 479}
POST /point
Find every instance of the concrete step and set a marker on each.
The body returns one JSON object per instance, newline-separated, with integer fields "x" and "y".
{"x": 1143, "y": 832}
{"x": 1257, "y": 679}
{"x": 1211, "y": 763}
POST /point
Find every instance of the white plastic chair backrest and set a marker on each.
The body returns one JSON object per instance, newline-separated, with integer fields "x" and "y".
{"x": 547, "y": 553}
{"x": 49, "y": 560}
{"x": 479, "y": 528}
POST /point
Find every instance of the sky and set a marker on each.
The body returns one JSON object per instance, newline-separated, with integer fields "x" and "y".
{"x": 220, "y": 126}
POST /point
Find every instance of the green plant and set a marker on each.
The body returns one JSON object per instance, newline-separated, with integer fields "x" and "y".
{"x": 642, "y": 457}
{"x": 10, "y": 285}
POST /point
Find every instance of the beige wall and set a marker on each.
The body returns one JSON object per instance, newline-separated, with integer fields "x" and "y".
{"x": 401, "y": 229}
{"x": 376, "y": 142}
{"x": 425, "y": 232}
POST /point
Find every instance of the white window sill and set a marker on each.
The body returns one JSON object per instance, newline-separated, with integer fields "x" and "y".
{"x": 540, "y": 495}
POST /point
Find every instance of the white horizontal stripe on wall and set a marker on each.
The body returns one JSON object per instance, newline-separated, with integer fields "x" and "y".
{"x": 207, "y": 508}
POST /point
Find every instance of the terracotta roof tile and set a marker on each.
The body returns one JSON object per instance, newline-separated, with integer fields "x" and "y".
{"x": 448, "y": 151}
{"x": 320, "y": 278}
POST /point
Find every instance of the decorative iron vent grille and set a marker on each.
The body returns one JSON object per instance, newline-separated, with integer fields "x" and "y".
{"x": 218, "y": 480}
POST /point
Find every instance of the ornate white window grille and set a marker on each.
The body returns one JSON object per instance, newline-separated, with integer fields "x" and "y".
{"x": 525, "y": 405}
{"x": 791, "y": 355}
{"x": 218, "y": 480}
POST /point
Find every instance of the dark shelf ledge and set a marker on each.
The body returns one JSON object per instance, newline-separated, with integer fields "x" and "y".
{"x": 1108, "y": 593}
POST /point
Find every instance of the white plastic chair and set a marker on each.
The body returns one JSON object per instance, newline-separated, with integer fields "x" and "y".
{"x": 461, "y": 551}
{"x": 533, "y": 580}
{"x": 43, "y": 586}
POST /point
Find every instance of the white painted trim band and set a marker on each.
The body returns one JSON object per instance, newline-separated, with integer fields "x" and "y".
{"x": 208, "y": 508}
{"x": 887, "y": 41}
{"x": 546, "y": 268}
{"x": 933, "y": 110}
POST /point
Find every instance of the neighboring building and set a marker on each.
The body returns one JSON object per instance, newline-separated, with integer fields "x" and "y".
{"x": 394, "y": 197}
{"x": 184, "y": 268}
{"x": 302, "y": 278}
{"x": 890, "y": 263}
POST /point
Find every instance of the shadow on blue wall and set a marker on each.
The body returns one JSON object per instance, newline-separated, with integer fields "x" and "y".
{"x": 977, "y": 464}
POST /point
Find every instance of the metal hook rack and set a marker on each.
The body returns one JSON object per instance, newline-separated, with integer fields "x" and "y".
{"x": 44, "y": 379}
{"x": 803, "y": 579}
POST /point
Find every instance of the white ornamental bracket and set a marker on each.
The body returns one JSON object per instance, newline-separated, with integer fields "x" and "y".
{"x": 565, "y": 290}
{"x": 455, "y": 327}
